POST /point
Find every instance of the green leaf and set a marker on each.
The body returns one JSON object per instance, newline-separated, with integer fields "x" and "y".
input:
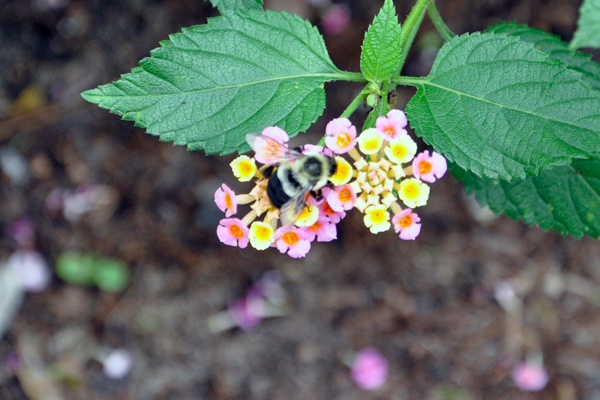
{"x": 111, "y": 275}
{"x": 381, "y": 47}
{"x": 75, "y": 268}
{"x": 228, "y": 6}
{"x": 565, "y": 198}
{"x": 555, "y": 47}
{"x": 210, "y": 85}
{"x": 588, "y": 31}
{"x": 501, "y": 108}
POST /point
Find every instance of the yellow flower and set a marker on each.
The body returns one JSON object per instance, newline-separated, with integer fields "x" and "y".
{"x": 343, "y": 173}
{"x": 243, "y": 168}
{"x": 413, "y": 192}
{"x": 369, "y": 142}
{"x": 377, "y": 218}
{"x": 401, "y": 150}
{"x": 309, "y": 216}
{"x": 261, "y": 235}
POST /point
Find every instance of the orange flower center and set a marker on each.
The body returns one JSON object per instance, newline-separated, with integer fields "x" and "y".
{"x": 405, "y": 222}
{"x": 291, "y": 238}
{"x": 345, "y": 195}
{"x": 315, "y": 227}
{"x": 236, "y": 231}
{"x": 424, "y": 167}
{"x": 272, "y": 149}
{"x": 390, "y": 131}
{"x": 343, "y": 140}
{"x": 228, "y": 200}
{"x": 328, "y": 209}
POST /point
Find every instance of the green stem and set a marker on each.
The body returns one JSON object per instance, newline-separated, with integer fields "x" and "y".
{"x": 347, "y": 76}
{"x": 409, "y": 30}
{"x": 384, "y": 90}
{"x": 439, "y": 23}
{"x": 351, "y": 107}
{"x": 408, "y": 81}
{"x": 355, "y": 103}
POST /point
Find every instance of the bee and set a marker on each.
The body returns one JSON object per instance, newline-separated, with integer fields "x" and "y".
{"x": 294, "y": 176}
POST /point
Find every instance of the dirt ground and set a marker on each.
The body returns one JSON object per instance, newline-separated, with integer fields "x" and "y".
{"x": 428, "y": 306}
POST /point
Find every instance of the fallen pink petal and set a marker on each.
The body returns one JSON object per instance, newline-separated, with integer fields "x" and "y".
{"x": 529, "y": 376}
{"x": 370, "y": 369}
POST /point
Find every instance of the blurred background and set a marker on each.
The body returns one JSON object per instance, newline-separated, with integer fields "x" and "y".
{"x": 115, "y": 286}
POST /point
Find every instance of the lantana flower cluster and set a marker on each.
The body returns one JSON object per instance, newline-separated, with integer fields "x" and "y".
{"x": 378, "y": 173}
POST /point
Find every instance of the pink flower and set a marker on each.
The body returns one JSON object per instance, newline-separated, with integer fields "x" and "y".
{"x": 334, "y": 216}
{"x": 246, "y": 311}
{"x": 369, "y": 370}
{"x": 392, "y": 126}
{"x": 407, "y": 224}
{"x": 340, "y": 135}
{"x": 267, "y": 152}
{"x": 323, "y": 230}
{"x": 429, "y": 168}
{"x": 225, "y": 200}
{"x": 529, "y": 376}
{"x": 233, "y": 232}
{"x": 341, "y": 198}
{"x": 292, "y": 240}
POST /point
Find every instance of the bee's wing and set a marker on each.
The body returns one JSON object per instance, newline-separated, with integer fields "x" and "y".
{"x": 275, "y": 150}
{"x": 291, "y": 211}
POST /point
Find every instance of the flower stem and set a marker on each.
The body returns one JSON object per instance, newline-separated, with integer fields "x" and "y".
{"x": 438, "y": 22}
{"x": 408, "y": 80}
{"x": 355, "y": 103}
{"x": 351, "y": 108}
{"x": 396, "y": 208}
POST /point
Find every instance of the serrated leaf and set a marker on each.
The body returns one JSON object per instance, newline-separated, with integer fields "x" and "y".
{"x": 555, "y": 47}
{"x": 588, "y": 25}
{"x": 381, "y": 48}
{"x": 210, "y": 85}
{"x": 501, "y": 108}
{"x": 228, "y": 6}
{"x": 565, "y": 198}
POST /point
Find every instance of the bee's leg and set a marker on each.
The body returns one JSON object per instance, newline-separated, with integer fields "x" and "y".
{"x": 298, "y": 149}
{"x": 318, "y": 195}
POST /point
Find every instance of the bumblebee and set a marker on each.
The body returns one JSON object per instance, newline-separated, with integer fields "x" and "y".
{"x": 294, "y": 177}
